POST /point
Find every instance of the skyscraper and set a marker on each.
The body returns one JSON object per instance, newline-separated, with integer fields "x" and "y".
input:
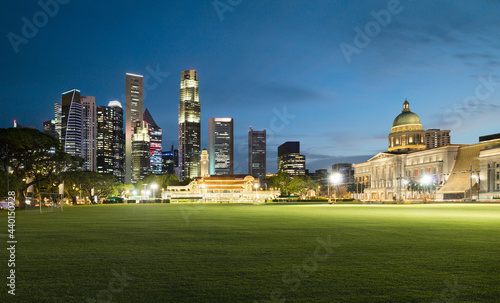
{"x": 89, "y": 133}
{"x": 155, "y": 136}
{"x": 49, "y": 128}
{"x": 104, "y": 140}
{"x": 189, "y": 125}
{"x": 257, "y": 153}
{"x": 71, "y": 122}
{"x": 220, "y": 146}
{"x": 110, "y": 140}
{"x": 58, "y": 119}
{"x": 133, "y": 115}
{"x": 170, "y": 160}
{"x": 140, "y": 152}
{"x": 118, "y": 140}
{"x": 290, "y": 160}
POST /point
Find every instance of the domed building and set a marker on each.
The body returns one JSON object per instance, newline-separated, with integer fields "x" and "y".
{"x": 385, "y": 176}
{"x": 406, "y": 132}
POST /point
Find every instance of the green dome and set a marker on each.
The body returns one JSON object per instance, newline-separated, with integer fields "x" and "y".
{"x": 406, "y": 118}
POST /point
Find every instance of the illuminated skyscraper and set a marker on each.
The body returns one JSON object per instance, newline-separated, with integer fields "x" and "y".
{"x": 110, "y": 140}
{"x": 58, "y": 119}
{"x": 133, "y": 115}
{"x": 140, "y": 152}
{"x": 170, "y": 160}
{"x": 189, "y": 126}
{"x": 290, "y": 160}
{"x": 104, "y": 152}
{"x": 71, "y": 123}
{"x": 257, "y": 153}
{"x": 89, "y": 133}
{"x": 220, "y": 146}
{"x": 118, "y": 140}
{"x": 155, "y": 136}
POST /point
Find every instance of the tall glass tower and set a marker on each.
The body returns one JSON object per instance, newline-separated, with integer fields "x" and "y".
{"x": 133, "y": 115}
{"x": 189, "y": 125}
{"x": 155, "y": 135}
{"x": 220, "y": 146}
{"x": 71, "y": 122}
{"x": 89, "y": 133}
{"x": 257, "y": 153}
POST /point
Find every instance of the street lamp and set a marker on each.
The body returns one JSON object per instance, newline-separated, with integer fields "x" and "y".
{"x": 335, "y": 179}
{"x": 426, "y": 181}
{"x": 154, "y": 186}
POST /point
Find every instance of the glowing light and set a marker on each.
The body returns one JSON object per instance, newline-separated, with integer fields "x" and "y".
{"x": 336, "y": 178}
{"x": 426, "y": 180}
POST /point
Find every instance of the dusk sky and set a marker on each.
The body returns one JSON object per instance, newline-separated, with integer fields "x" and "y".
{"x": 274, "y": 65}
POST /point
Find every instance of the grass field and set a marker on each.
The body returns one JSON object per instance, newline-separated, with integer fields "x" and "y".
{"x": 263, "y": 253}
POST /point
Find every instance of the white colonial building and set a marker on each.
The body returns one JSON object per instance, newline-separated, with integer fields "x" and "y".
{"x": 450, "y": 172}
{"x": 386, "y": 176}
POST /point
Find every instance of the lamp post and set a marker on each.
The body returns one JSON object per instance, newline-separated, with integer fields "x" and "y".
{"x": 335, "y": 178}
{"x": 153, "y": 187}
{"x": 426, "y": 181}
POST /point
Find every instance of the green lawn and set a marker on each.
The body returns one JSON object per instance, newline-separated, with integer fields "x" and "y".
{"x": 263, "y": 253}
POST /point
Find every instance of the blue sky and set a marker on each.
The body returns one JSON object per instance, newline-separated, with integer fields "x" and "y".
{"x": 275, "y": 65}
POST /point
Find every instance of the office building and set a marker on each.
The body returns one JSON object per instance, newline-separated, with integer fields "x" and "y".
{"x": 133, "y": 115}
{"x": 437, "y": 138}
{"x": 110, "y": 140}
{"x": 155, "y": 136}
{"x": 257, "y": 153}
{"x": 140, "y": 152}
{"x": 49, "y": 128}
{"x": 290, "y": 160}
{"x": 71, "y": 123}
{"x": 89, "y": 133}
{"x": 58, "y": 119}
{"x": 189, "y": 126}
{"x": 220, "y": 146}
{"x": 104, "y": 140}
{"x": 118, "y": 140}
{"x": 170, "y": 161}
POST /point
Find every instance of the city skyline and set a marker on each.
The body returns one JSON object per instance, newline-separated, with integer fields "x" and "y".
{"x": 444, "y": 63}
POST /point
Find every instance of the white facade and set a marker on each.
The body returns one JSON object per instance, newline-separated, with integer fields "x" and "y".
{"x": 386, "y": 176}
{"x": 489, "y": 177}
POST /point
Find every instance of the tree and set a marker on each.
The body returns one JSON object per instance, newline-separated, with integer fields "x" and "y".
{"x": 300, "y": 184}
{"x": 186, "y": 181}
{"x": 170, "y": 180}
{"x": 32, "y": 157}
{"x": 83, "y": 183}
{"x": 281, "y": 180}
